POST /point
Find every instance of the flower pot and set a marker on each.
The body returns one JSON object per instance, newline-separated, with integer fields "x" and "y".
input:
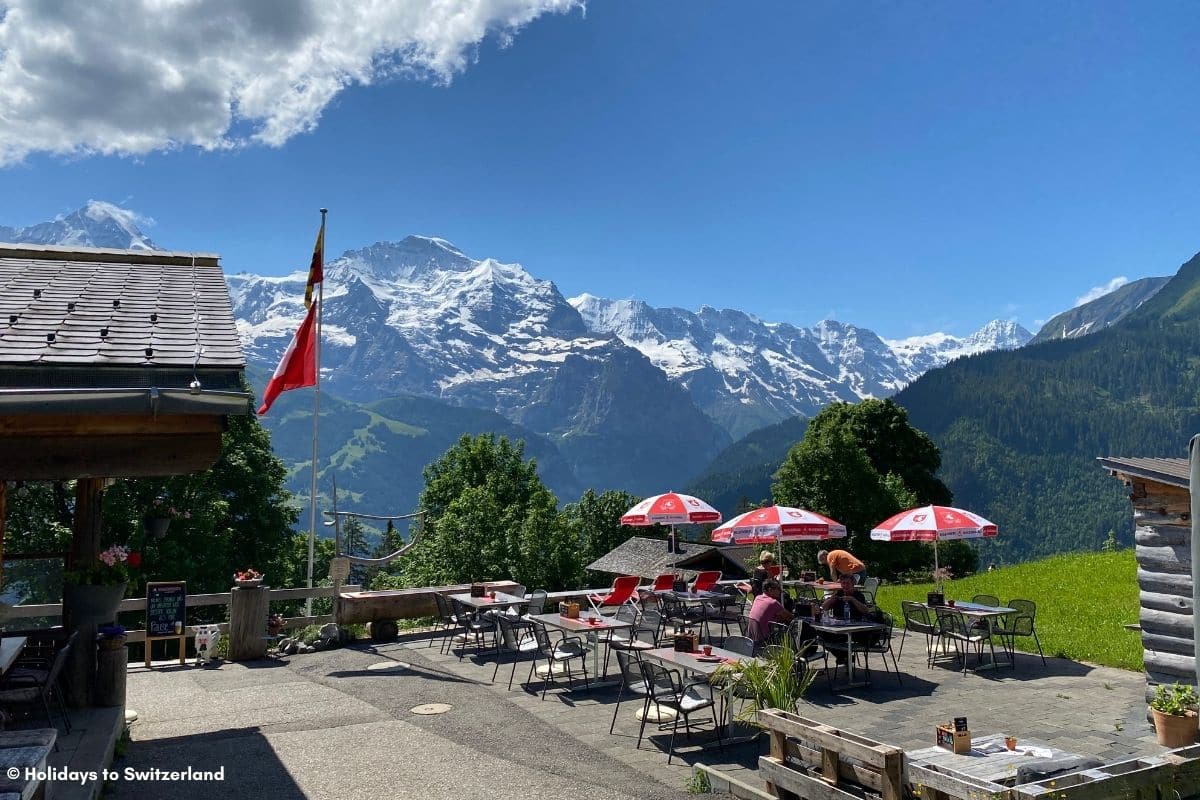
{"x": 111, "y": 642}
{"x": 1173, "y": 730}
{"x": 156, "y": 527}
{"x": 93, "y": 604}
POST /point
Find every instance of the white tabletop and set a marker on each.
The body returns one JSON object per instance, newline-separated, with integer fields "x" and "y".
{"x": 501, "y": 600}
{"x": 581, "y": 625}
{"x": 10, "y": 648}
{"x": 689, "y": 662}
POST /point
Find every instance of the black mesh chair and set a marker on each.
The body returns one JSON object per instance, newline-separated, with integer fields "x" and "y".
{"x": 30, "y": 684}
{"x": 725, "y": 611}
{"x": 447, "y": 622}
{"x": 678, "y": 614}
{"x": 954, "y": 628}
{"x": 632, "y": 681}
{"x": 511, "y": 643}
{"x": 918, "y": 620}
{"x": 473, "y": 625}
{"x": 564, "y": 651}
{"x": 638, "y": 639}
{"x": 986, "y": 600}
{"x": 668, "y": 690}
{"x": 1022, "y": 623}
{"x": 742, "y": 645}
{"x": 881, "y": 644}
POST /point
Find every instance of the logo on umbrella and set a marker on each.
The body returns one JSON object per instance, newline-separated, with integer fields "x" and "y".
{"x": 795, "y": 514}
{"x": 693, "y": 502}
{"x": 761, "y": 515}
{"x": 918, "y": 517}
{"x": 668, "y": 505}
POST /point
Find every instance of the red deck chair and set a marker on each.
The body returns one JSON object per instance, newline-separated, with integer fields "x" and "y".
{"x": 705, "y": 581}
{"x": 775, "y": 569}
{"x": 624, "y": 590}
{"x": 663, "y": 583}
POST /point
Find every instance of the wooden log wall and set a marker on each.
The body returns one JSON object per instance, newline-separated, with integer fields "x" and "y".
{"x": 1163, "y": 549}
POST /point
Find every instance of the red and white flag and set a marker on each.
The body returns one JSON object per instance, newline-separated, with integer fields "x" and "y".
{"x": 298, "y": 367}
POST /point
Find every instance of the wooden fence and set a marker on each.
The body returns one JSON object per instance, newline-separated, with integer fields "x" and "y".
{"x": 54, "y": 610}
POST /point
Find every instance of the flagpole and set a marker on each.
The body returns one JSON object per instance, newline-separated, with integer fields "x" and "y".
{"x": 312, "y": 493}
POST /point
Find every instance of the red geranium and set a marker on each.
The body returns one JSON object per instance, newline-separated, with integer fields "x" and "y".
{"x": 134, "y": 559}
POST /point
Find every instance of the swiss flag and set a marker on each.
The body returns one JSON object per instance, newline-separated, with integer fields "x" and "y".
{"x": 298, "y": 367}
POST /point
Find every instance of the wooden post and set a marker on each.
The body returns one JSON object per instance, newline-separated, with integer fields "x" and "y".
{"x": 80, "y": 669}
{"x": 248, "y": 623}
{"x": 3, "y": 514}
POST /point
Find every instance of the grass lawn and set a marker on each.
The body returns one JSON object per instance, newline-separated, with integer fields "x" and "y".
{"x": 1082, "y": 599}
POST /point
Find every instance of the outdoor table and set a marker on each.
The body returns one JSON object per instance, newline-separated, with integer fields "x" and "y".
{"x": 10, "y": 648}
{"x": 989, "y": 760}
{"x": 574, "y": 626}
{"x": 501, "y": 600}
{"x": 847, "y": 629}
{"x": 980, "y": 613}
{"x": 694, "y": 597}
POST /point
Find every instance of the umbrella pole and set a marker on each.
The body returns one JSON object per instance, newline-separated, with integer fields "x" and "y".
{"x": 937, "y": 574}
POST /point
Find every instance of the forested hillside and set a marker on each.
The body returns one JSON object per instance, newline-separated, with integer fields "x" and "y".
{"x": 1020, "y": 431}
{"x": 743, "y": 471}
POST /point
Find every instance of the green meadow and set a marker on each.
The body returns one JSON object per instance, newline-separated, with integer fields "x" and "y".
{"x": 1083, "y": 602}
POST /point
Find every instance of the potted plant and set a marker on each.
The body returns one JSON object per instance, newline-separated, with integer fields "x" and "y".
{"x": 247, "y": 578}
{"x": 1174, "y": 708}
{"x": 937, "y": 597}
{"x": 776, "y": 679}
{"x": 93, "y": 593}
{"x": 158, "y": 517}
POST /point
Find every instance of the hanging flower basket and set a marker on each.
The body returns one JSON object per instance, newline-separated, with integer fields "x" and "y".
{"x": 156, "y": 527}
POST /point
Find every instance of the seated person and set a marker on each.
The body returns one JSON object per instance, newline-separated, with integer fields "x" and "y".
{"x": 841, "y": 562}
{"x": 847, "y": 602}
{"x": 762, "y": 572}
{"x": 767, "y": 608}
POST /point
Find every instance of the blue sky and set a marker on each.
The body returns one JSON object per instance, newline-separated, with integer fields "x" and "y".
{"x": 907, "y": 167}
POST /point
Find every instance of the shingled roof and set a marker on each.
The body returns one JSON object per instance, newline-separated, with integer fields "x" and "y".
{"x": 648, "y": 558}
{"x": 77, "y": 320}
{"x": 1168, "y": 471}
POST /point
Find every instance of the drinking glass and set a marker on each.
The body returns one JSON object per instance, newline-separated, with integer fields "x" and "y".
{"x": 783, "y": 573}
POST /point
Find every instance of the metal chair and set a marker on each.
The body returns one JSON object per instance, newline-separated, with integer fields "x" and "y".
{"x": 881, "y": 643}
{"x": 917, "y": 620}
{"x": 472, "y": 624}
{"x": 1022, "y": 623}
{"x": 632, "y": 681}
{"x": 870, "y": 586}
{"x": 564, "y": 651}
{"x": 512, "y": 643}
{"x": 667, "y": 689}
{"x": 636, "y": 640}
{"x": 986, "y": 600}
{"x": 29, "y": 685}
{"x": 447, "y": 622}
{"x": 742, "y": 645}
{"x": 953, "y": 627}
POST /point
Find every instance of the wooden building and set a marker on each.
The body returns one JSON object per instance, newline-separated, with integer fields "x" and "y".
{"x": 1159, "y": 490}
{"x": 113, "y": 364}
{"x": 648, "y": 558}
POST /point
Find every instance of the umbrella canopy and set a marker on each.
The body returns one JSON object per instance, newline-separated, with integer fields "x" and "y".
{"x": 778, "y": 524}
{"x": 933, "y": 524}
{"x": 671, "y": 508}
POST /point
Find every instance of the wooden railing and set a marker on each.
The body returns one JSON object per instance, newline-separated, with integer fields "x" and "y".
{"x": 54, "y": 610}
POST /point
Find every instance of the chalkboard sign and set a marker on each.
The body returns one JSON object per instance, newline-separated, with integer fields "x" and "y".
{"x": 166, "y": 604}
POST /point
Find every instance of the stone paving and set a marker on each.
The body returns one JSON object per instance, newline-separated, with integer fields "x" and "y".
{"x": 335, "y": 724}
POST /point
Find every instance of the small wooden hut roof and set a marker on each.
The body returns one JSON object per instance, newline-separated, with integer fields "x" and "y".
{"x": 112, "y": 359}
{"x": 648, "y": 558}
{"x": 1167, "y": 471}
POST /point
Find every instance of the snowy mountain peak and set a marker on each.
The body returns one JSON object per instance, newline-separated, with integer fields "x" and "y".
{"x": 97, "y": 224}
{"x": 999, "y": 334}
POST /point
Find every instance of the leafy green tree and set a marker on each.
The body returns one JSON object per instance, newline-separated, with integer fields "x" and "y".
{"x": 489, "y": 517}
{"x": 859, "y": 464}
{"x": 596, "y": 522}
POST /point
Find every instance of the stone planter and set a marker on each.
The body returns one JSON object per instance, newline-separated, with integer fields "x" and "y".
{"x": 1173, "y": 730}
{"x": 92, "y": 604}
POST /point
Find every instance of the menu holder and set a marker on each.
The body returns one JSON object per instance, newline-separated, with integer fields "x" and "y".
{"x": 687, "y": 642}
{"x": 955, "y": 741}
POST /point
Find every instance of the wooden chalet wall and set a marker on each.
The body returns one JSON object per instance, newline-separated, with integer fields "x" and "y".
{"x": 1162, "y": 516}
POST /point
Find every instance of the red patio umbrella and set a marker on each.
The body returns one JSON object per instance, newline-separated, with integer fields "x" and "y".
{"x": 933, "y": 524}
{"x": 778, "y": 524}
{"x": 671, "y": 508}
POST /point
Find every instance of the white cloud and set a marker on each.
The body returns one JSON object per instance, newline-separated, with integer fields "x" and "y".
{"x": 80, "y": 77}
{"x": 1097, "y": 292}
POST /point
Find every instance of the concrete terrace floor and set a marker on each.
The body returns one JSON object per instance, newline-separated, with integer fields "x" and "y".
{"x": 336, "y": 725}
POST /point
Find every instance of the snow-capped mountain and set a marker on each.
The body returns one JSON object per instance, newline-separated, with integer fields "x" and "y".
{"x": 419, "y": 317}
{"x": 97, "y": 224}
{"x": 746, "y": 373}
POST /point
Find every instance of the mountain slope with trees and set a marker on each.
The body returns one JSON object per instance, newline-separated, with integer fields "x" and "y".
{"x": 1020, "y": 431}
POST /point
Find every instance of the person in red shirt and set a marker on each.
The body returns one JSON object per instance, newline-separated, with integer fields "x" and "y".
{"x": 767, "y": 608}
{"x": 840, "y": 563}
